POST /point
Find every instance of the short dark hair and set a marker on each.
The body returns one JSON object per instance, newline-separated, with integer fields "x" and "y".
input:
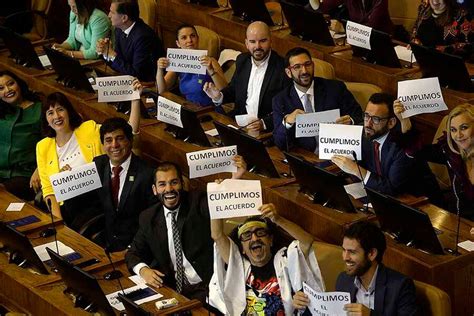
{"x": 369, "y": 236}
{"x": 185, "y": 26}
{"x": 383, "y": 98}
{"x": 26, "y": 93}
{"x": 75, "y": 120}
{"x": 115, "y": 123}
{"x": 129, "y": 8}
{"x": 166, "y": 166}
{"x": 295, "y": 52}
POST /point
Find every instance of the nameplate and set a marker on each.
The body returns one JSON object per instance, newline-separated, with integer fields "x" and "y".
{"x": 116, "y": 89}
{"x": 186, "y": 60}
{"x": 307, "y": 125}
{"x": 326, "y": 303}
{"x": 358, "y": 35}
{"x": 234, "y": 198}
{"x": 80, "y": 180}
{"x": 339, "y": 139}
{"x": 206, "y": 162}
{"x": 421, "y": 96}
{"x": 168, "y": 112}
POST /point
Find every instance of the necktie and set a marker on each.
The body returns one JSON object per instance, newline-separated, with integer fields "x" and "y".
{"x": 180, "y": 275}
{"x": 116, "y": 184}
{"x": 308, "y": 108}
{"x": 378, "y": 165}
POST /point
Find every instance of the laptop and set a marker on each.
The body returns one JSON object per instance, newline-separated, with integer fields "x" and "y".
{"x": 21, "y": 49}
{"x": 251, "y": 10}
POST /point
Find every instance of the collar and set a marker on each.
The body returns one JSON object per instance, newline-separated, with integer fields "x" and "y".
{"x": 381, "y": 140}
{"x": 129, "y": 29}
{"x": 310, "y": 90}
{"x": 264, "y": 63}
{"x": 371, "y": 288}
{"x": 125, "y": 165}
{"x": 168, "y": 212}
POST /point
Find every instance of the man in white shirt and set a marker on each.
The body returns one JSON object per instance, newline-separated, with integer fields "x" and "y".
{"x": 259, "y": 76}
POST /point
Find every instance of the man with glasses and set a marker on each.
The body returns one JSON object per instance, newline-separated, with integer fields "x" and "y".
{"x": 255, "y": 274}
{"x": 384, "y": 167}
{"x": 308, "y": 94}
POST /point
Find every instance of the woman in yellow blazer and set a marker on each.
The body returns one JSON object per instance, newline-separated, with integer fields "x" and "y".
{"x": 69, "y": 143}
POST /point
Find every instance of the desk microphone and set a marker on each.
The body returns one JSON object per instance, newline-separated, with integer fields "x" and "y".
{"x": 50, "y": 231}
{"x": 114, "y": 274}
{"x": 365, "y": 209}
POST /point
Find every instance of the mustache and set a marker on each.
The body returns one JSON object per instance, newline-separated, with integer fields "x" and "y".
{"x": 256, "y": 243}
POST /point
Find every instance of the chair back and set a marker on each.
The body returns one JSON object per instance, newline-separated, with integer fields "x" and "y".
{"x": 362, "y": 92}
{"x": 148, "y": 12}
{"x": 404, "y": 12}
{"x": 330, "y": 262}
{"x": 440, "y": 170}
{"x": 432, "y": 300}
{"x": 40, "y": 10}
{"x": 323, "y": 69}
{"x": 209, "y": 40}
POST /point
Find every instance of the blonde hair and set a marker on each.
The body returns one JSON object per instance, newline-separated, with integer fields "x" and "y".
{"x": 458, "y": 110}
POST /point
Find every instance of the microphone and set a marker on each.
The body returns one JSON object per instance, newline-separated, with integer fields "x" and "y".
{"x": 50, "y": 231}
{"x": 454, "y": 251}
{"x": 114, "y": 274}
{"x": 364, "y": 209}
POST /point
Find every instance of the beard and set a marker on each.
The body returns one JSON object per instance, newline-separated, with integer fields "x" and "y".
{"x": 176, "y": 194}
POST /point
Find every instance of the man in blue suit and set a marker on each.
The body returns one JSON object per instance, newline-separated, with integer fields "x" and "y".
{"x": 374, "y": 288}
{"x": 137, "y": 48}
{"x": 308, "y": 94}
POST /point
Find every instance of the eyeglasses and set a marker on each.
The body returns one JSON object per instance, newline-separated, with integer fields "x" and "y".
{"x": 298, "y": 67}
{"x": 375, "y": 119}
{"x": 259, "y": 232}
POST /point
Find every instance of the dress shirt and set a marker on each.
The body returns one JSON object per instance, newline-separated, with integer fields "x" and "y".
{"x": 364, "y": 296}
{"x": 257, "y": 74}
{"x": 301, "y": 95}
{"x": 381, "y": 141}
{"x": 123, "y": 174}
{"x": 191, "y": 274}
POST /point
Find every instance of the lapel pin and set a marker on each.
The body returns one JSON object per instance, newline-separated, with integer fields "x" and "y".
{"x": 131, "y": 178}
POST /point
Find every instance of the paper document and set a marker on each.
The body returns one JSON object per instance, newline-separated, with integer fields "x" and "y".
{"x": 43, "y": 254}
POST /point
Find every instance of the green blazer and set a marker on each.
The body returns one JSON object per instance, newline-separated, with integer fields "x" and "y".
{"x": 97, "y": 27}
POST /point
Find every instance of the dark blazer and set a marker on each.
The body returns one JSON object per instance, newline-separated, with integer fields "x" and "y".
{"x": 150, "y": 244}
{"x": 397, "y": 167}
{"x": 394, "y": 292}
{"x": 273, "y": 82}
{"x": 328, "y": 95}
{"x": 121, "y": 224}
{"x": 137, "y": 54}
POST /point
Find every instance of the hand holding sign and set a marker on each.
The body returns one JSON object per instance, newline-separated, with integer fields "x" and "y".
{"x": 163, "y": 63}
{"x": 346, "y": 164}
{"x": 398, "y": 109}
{"x": 212, "y": 92}
{"x": 300, "y": 300}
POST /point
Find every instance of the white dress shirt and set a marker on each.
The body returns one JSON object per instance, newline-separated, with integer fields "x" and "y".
{"x": 301, "y": 95}
{"x": 257, "y": 74}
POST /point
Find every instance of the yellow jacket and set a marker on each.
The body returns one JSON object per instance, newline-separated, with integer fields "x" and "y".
{"x": 88, "y": 137}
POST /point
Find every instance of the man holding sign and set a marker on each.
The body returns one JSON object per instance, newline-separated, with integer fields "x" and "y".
{"x": 374, "y": 288}
{"x": 254, "y": 274}
{"x": 308, "y": 94}
{"x": 384, "y": 166}
{"x": 191, "y": 82}
{"x": 173, "y": 245}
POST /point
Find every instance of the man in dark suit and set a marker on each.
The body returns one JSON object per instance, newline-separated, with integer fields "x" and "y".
{"x": 126, "y": 184}
{"x": 374, "y": 288}
{"x": 384, "y": 166}
{"x": 137, "y": 48}
{"x": 308, "y": 94}
{"x": 259, "y": 76}
{"x": 179, "y": 221}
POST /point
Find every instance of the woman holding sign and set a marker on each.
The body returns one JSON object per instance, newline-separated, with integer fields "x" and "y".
{"x": 455, "y": 149}
{"x": 69, "y": 143}
{"x": 190, "y": 85}
{"x": 20, "y": 130}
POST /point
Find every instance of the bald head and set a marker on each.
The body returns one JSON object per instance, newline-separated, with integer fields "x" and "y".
{"x": 258, "y": 40}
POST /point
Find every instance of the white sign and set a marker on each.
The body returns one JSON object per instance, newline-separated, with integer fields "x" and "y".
{"x": 421, "y": 96}
{"x": 326, "y": 303}
{"x": 358, "y": 34}
{"x": 169, "y": 112}
{"x": 186, "y": 60}
{"x": 339, "y": 139}
{"x": 245, "y": 119}
{"x": 115, "y": 89}
{"x": 234, "y": 198}
{"x": 80, "y": 180}
{"x": 206, "y": 162}
{"x": 307, "y": 125}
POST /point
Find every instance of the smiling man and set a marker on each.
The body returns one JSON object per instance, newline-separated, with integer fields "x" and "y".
{"x": 254, "y": 274}
{"x": 126, "y": 184}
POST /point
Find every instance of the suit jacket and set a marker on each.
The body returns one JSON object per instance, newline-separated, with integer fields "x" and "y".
{"x": 137, "y": 53}
{"x": 394, "y": 292}
{"x": 150, "y": 244}
{"x": 273, "y": 82}
{"x": 121, "y": 223}
{"x": 397, "y": 167}
{"x": 328, "y": 95}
